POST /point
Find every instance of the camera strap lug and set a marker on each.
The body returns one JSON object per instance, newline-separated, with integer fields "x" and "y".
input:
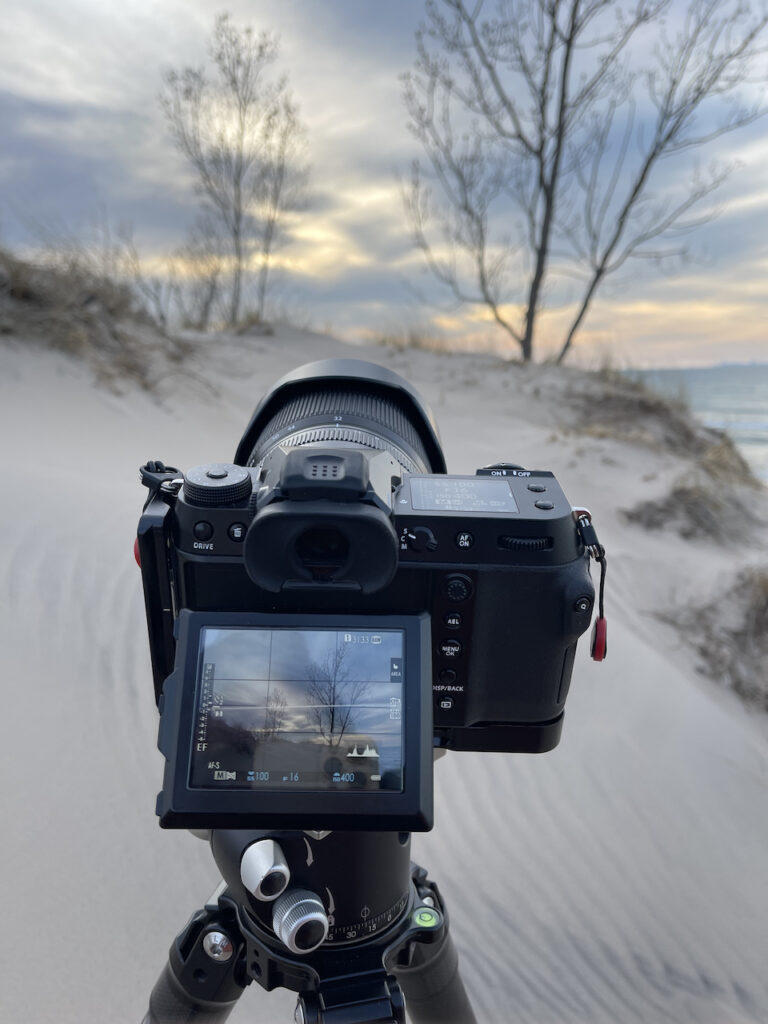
{"x": 154, "y": 474}
{"x": 588, "y": 535}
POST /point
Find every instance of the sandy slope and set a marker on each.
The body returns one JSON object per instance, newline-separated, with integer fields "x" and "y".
{"x": 621, "y": 878}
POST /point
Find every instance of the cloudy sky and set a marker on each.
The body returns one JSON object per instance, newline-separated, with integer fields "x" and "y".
{"x": 83, "y": 137}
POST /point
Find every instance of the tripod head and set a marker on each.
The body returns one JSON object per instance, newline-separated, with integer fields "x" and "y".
{"x": 359, "y": 880}
{"x": 376, "y": 934}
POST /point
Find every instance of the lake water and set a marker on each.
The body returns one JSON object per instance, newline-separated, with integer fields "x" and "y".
{"x": 730, "y": 397}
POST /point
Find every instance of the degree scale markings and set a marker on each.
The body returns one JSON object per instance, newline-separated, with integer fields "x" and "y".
{"x": 367, "y": 925}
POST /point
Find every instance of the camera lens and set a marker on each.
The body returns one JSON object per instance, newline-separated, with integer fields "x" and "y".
{"x": 322, "y": 550}
{"x": 345, "y": 403}
{"x": 332, "y": 441}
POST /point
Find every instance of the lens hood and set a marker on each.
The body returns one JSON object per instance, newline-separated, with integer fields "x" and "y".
{"x": 395, "y": 411}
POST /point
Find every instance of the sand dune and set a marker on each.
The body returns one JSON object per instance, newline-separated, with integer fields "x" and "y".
{"x": 621, "y": 878}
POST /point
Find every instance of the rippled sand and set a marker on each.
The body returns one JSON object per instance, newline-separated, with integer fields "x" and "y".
{"x": 621, "y": 878}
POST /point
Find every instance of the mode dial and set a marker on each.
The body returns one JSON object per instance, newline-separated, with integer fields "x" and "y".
{"x": 217, "y": 484}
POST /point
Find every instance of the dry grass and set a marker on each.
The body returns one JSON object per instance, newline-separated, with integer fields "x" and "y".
{"x": 694, "y": 511}
{"x": 411, "y": 339}
{"x": 730, "y": 635}
{"x": 607, "y": 404}
{"x": 253, "y": 325}
{"x": 71, "y": 308}
{"x": 717, "y": 498}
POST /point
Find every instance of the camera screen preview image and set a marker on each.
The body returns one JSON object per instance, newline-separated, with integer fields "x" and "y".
{"x": 299, "y": 709}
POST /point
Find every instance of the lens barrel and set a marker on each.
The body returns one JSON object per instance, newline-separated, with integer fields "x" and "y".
{"x": 333, "y": 440}
{"x": 345, "y": 403}
{"x": 367, "y": 421}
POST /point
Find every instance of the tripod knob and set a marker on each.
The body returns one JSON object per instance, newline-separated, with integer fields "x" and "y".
{"x": 299, "y": 920}
{"x": 263, "y": 870}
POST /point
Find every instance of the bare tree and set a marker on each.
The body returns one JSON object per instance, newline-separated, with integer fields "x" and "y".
{"x": 333, "y": 696}
{"x": 102, "y": 257}
{"x": 548, "y": 138}
{"x": 203, "y": 257}
{"x": 274, "y": 715}
{"x": 158, "y": 292}
{"x": 242, "y": 134}
{"x": 284, "y": 186}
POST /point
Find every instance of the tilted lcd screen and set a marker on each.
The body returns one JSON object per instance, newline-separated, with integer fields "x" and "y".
{"x": 299, "y": 709}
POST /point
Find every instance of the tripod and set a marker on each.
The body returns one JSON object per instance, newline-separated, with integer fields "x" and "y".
{"x": 342, "y": 918}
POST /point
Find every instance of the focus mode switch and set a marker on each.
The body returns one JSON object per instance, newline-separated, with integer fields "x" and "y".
{"x": 421, "y": 538}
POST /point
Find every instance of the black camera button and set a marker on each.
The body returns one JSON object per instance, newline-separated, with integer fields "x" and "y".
{"x": 464, "y": 540}
{"x": 445, "y": 703}
{"x": 545, "y": 505}
{"x": 449, "y": 648}
{"x": 537, "y": 488}
{"x": 448, "y": 675}
{"x": 202, "y": 530}
{"x": 458, "y": 588}
{"x": 453, "y": 620}
{"x": 237, "y": 531}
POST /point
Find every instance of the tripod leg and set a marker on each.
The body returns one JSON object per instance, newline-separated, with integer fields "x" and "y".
{"x": 171, "y": 1003}
{"x": 426, "y": 964}
{"x": 433, "y": 989}
{"x": 205, "y": 974}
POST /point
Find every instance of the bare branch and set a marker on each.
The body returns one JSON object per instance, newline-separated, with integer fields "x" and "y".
{"x": 241, "y": 133}
{"x": 543, "y": 159}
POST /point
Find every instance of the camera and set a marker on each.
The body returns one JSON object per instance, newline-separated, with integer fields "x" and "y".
{"x": 331, "y": 607}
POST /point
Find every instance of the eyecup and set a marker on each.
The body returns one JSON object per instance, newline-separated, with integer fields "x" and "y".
{"x": 277, "y": 529}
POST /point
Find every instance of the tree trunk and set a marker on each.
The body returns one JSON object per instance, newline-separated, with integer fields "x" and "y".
{"x": 261, "y": 294}
{"x": 237, "y": 277}
{"x": 582, "y": 313}
{"x": 205, "y": 312}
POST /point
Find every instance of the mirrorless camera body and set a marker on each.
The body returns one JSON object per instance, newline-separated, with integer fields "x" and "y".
{"x": 332, "y": 606}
